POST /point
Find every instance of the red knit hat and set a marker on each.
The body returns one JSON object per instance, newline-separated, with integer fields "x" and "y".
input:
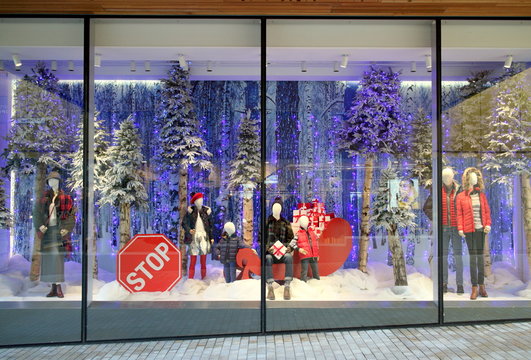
{"x": 196, "y": 196}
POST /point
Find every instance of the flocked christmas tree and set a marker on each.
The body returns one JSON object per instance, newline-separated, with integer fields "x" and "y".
{"x": 6, "y": 220}
{"x": 123, "y": 185}
{"x": 421, "y": 148}
{"x": 101, "y": 165}
{"x": 245, "y": 170}
{"x": 509, "y": 141}
{"x": 392, "y": 219}
{"x": 374, "y": 126}
{"x": 39, "y": 136}
{"x": 181, "y": 146}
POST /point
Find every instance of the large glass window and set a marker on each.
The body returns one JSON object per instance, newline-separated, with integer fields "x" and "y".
{"x": 486, "y": 156}
{"x": 177, "y": 153}
{"x": 349, "y": 167}
{"x": 41, "y": 102}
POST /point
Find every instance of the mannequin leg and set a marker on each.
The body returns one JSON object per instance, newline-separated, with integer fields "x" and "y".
{"x": 479, "y": 238}
{"x": 203, "y": 266}
{"x": 315, "y": 268}
{"x": 457, "y": 244}
{"x": 304, "y": 269}
{"x": 445, "y": 245}
{"x": 191, "y": 269}
{"x": 473, "y": 259}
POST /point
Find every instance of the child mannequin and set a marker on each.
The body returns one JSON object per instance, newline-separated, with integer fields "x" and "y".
{"x": 308, "y": 245}
{"x": 227, "y": 249}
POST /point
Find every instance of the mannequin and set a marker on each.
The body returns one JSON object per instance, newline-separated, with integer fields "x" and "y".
{"x": 308, "y": 245}
{"x": 450, "y": 190}
{"x": 227, "y": 249}
{"x": 54, "y": 219}
{"x": 473, "y": 222}
{"x": 197, "y": 225}
{"x": 278, "y": 229}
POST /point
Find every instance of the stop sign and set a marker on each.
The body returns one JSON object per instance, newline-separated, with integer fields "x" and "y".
{"x": 149, "y": 262}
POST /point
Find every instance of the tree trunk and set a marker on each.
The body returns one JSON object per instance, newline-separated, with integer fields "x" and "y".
{"x": 38, "y": 192}
{"x": 125, "y": 224}
{"x": 399, "y": 264}
{"x": 526, "y": 209}
{"x": 363, "y": 253}
{"x": 183, "y": 193}
{"x": 487, "y": 267}
{"x": 248, "y": 216}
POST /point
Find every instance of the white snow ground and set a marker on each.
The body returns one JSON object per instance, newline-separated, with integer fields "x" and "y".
{"x": 343, "y": 285}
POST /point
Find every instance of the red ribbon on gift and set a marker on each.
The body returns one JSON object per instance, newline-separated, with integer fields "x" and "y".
{"x": 277, "y": 250}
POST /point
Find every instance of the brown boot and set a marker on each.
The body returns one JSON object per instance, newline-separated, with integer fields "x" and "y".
{"x": 270, "y": 292}
{"x": 483, "y": 291}
{"x": 287, "y": 293}
{"x": 52, "y": 292}
{"x": 474, "y": 294}
{"x": 59, "y": 291}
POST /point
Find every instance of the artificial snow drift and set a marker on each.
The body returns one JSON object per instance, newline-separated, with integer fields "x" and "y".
{"x": 343, "y": 285}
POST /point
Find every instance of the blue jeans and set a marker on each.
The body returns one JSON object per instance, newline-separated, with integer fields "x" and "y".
{"x": 304, "y": 268}
{"x": 286, "y": 259}
{"x": 450, "y": 234}
{"x": 229, "y": 271}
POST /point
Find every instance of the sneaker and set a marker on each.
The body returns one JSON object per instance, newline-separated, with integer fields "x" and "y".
{"x": 460, "y": 289}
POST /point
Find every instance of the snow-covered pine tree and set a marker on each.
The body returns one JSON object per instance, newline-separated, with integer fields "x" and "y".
{"x": 509, "y": 143}
{"x": 392, "y": 219}
{"x": 39, "y": 136}
{"x": 123, "y": 185}
{"x": 374, "y": 126}
{"x": 180, "y": 146}
{"x": 421, "y": 147}
{"x": 6, "y": 220}
{"x": 245, "y": 170}
{"x": 101, "y": 164}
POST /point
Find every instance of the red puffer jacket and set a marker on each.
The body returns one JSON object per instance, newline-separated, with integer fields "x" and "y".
{"x": 465, "y": 213}
{"x": 311, "y": 247}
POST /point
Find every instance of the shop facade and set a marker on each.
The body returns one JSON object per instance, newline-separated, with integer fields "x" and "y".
{"x": 303, "y": 174}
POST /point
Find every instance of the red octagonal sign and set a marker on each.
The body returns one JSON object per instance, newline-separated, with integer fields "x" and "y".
{"x": 149, "y": 262}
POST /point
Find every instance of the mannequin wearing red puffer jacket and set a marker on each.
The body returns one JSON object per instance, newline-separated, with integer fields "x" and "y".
{"x": 308, "y": 246}
{"x": 473, "y": 222}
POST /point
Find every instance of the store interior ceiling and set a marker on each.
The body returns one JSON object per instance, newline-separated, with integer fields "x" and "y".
{"x": 229, "y": 49}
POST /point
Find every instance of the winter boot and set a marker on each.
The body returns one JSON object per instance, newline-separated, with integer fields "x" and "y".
{"x": 483, "y": 291}
{"x": 287, "y": 292}
{"x": 59, "y": 291}
{"x": 460, "y": 290}
{"x": 270, "y": 292}
{"x": 52, "y": 292}
{"x": 474, "y": 294}
{"x": 445, "y": 288}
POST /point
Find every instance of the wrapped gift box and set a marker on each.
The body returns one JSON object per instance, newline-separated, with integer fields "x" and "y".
{"x": 304, "y": 206}
{"x": 278, "y": 249}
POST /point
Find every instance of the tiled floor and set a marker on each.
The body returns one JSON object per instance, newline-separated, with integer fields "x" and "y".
{"x": 495, "y": 341}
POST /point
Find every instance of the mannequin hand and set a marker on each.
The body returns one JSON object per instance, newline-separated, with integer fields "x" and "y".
{"x": 211, "y": 241}
{"x": 192, "y": 231}
{"x": 288, "y": 250}
{"x": 461, "y": 233}
{"x": 43, "y": 229}
{"x": 271, "y": 251}
{"x": 64, "y": 232}
{"x": 318, "y": 258}
{"x": 303, "y": 252}
{"x": 487, "y": 229}
{"x": 254, "y": 252}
